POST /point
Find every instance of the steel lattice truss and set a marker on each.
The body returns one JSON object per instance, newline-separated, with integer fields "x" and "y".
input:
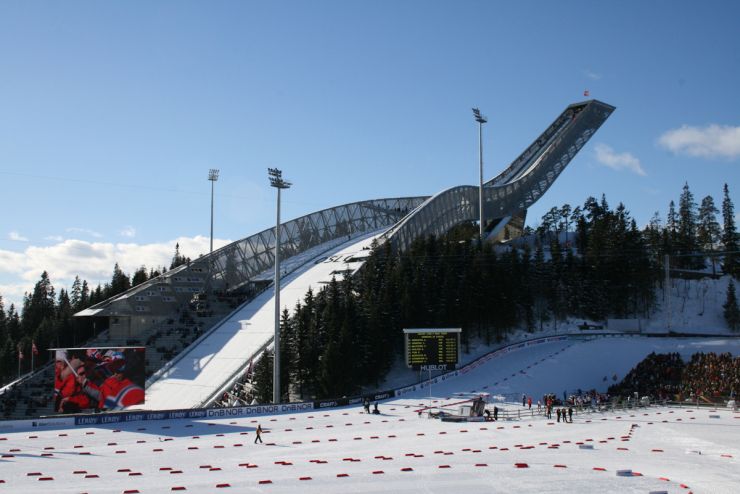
{"x": 241, "y": 261}
{"x": 506, "y": 199}
{"x": 514, "y": 190}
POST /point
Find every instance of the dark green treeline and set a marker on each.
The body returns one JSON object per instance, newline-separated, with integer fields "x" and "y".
{"x": 350, "y": 333}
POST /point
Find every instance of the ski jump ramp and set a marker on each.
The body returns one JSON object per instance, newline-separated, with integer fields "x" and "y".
{"x": 205, "y": 370}
{"x": 212, "y": 364}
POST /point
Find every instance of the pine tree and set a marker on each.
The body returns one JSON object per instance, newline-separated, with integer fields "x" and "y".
{"x": 13, "y": 323}
{"x": 84, "y": 297}
{"x": 139, "y": 276}
{"x": 63, "y": 324}
{"x": 298, "y": 344}
{"x": 708, "y": 230}
{"x": 286, "y": 355}
{"x": 39, "y": 305}
{"x": 3, "y": 324}
{"x": 178, "y": 259}
{"x": 686, "y": 235}
{"x": 731, "y": 310}
{"x": 75, "y": 294}
{"x": 539, "y": 281}
{"x": 120, "y": 282}
{"x": 654, "y": 235}
{"x": 729, "y": 235}
{"x": 565, "y": 214}
{"x": 8, "y": 362}
{"x": 97, "y": 295}
{"x": 671, "y": 223}
{"x": 263, "y": 378}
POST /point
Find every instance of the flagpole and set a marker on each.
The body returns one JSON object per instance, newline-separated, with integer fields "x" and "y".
{"x": 19, "y": 361}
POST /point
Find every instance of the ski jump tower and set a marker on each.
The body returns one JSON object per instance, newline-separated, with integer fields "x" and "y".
{"x": 507, "y": 196}
{"x": 247, "y": 263}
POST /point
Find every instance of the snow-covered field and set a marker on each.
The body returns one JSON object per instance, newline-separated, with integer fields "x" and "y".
{"x": 344, "y": 450}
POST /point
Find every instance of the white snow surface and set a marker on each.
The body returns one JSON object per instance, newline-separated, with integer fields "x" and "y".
{"x": 202, "y": 369}
{"x": 676, "y": 450}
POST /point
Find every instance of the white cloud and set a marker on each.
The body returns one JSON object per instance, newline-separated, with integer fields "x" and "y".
{"x": 128, "y": 231}
{"x": 594, "y": 76}
{"x": 17, "y": 237}
{"x": 85, "y": 231}
{"x": 12, "y": 293}
{"x": 11, "y": 262}
{"x": 92, "y": 261}
{"x": 712, "y": 141}
{"x": 54, "y": 238}
{"x": 606, "y": 156}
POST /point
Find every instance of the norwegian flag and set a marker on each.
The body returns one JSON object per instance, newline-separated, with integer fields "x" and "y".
{"x": 586, "y": 93}
{"x": 20, "y": 353}
{"x": 33, "y": 348}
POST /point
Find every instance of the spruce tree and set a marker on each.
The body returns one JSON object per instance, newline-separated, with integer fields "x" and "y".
{"x": 3, "y": 328}
{"x": 687, "y": 228}
{"x": 8, "y": 362}
{"x": 139, "y": 277}
{"x": 84, "y": 302}
{"x": 63, "y": 324}
{"x": 120, "y": 282}
{"x": 298, "y": 349}
{"x": 539, "y": 281}
{"x": 178, "y": 259}
{"x": 287, "y": 355}
{"x": 262, "y": 389}
{"x": 13, "y": 323}
{"x": 39, "y": 305}
{"x": 729, "y": 235}
{"x": 565, "y": 214}
{"x": 75, "y": 294}
{"x": 653, "y": 234}
{"x": 731, "y": 310}
{"x": 708, "y": 229}
{"x": 671, "y": 224}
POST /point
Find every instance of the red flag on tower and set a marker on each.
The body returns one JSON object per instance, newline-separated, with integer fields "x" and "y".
{"x": 586, "y": 93}
{"x": 33, "y": 348}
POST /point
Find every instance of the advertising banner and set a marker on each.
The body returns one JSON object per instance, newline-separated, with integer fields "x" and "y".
{"x": 193, "y": 413}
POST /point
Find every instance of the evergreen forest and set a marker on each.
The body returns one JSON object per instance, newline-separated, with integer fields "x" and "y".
{"x": 587, "y": 262}
{"x": 590, "y": 262}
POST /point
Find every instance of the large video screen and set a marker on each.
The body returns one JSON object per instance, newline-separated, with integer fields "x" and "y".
{"x": 97, "y": 379}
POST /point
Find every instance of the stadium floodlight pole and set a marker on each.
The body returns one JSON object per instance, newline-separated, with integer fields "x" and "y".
{"x": 276, "y": 180}
{"x": 212, "y": 176}
{"x": 481, "y": 120}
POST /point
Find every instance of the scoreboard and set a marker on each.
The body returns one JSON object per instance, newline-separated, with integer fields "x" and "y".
{"x": 432, "y": 348}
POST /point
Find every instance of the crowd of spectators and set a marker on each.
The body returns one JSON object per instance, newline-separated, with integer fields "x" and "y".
{"x": 712, "y": 375}
{"x": 709, "y": 376}
{"x": 658, "y": 375}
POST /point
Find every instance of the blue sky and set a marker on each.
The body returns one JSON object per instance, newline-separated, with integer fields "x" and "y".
{"x": 112, "y": 113}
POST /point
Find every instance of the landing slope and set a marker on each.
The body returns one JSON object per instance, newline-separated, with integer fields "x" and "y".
{"x": 202, "y": 369}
